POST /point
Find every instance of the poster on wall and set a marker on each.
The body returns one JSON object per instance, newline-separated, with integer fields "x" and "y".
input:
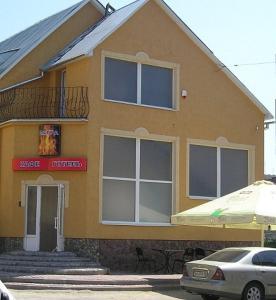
{"x": 49, "y": 140}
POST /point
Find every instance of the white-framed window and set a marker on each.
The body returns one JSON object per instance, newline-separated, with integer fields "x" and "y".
{"x": 132, "y": 80}
{"x": 215, "y": 171}
{"x": 137, "y": 182}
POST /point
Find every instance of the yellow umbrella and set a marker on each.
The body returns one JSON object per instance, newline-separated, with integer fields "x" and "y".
{"x": 253, "y": 207}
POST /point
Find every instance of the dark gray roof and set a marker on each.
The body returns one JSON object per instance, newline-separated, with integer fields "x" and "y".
{"x": 93, "y": 36}
{"x": 16, "y": 47}
{"x": 54, "y": 60}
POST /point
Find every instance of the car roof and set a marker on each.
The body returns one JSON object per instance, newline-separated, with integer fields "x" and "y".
{"x": 250, "y": 248}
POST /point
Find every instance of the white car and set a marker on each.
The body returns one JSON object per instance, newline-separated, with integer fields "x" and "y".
{"x": 247, "y": 273}
{"x": 4, "y": 293}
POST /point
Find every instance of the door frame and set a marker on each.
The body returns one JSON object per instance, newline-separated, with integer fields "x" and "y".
{"x": 32, "y": 242}
{"x": 62, "y": 108}
{"x": 63, "y": 190}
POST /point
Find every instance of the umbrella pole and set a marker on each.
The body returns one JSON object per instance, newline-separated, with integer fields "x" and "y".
{"x": 262, "y": 235}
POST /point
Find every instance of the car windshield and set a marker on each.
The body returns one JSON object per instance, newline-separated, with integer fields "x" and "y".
{"x": 232, "y": 255}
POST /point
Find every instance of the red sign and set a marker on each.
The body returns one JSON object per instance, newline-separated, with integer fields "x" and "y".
{"x": 67, "y": 164}
{"x": 49, "y": 164}
{"x": 29, "y": 164}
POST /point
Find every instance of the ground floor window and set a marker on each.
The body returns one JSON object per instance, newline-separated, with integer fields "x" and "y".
{"x": 137, "y": 180}
{"x": 216, "y": 171}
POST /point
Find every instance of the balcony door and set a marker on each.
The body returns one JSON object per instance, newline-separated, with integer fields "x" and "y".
{"x": 44, "y": 218}
{"x": 62, "y": 108}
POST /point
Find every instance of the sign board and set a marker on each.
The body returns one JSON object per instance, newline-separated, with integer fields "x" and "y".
{"x": 49, "y": 164}
{"x": 49, "y": 140}
{"x": 29, "y": 164}
{"x": 67, "y": 164}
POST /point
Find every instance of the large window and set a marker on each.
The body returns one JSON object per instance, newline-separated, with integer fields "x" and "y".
{"x": 216, "y": 171}
{"x": 139, "y": 83}
{"x": 137, "y": 180}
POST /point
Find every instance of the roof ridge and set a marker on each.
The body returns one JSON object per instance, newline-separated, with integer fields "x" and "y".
{"x": 127, "y": 5}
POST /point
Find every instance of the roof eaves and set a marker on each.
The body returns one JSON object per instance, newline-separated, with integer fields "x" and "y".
{"x": 82, "y": 4}
{"x": 248, "y": 93}
{"x": 88, "y": 52}
{"x": 54, "y": 61}
{"x": 210, "y": 54}
{"x": 118, "y": 26}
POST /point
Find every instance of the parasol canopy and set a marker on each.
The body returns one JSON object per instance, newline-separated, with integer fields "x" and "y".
{"x": 253, "y": 207}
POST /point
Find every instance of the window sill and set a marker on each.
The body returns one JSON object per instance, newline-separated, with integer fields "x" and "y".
{"x": 141, "y": 105}
{"x": 137, "y": 224}
{"x": 201, "y": 198}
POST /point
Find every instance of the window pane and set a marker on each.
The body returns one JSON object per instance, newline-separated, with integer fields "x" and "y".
{"x": 227, "y": 255}
{"x": 155, "y": 202}
{"x": 156, "y": 160}
{"x": 234, "y": 170}
{"x": 265, "y": 258}
{"x": 157, "y": 86}
{"x": 31, "y": 210}
{"x": 118, "y": 200}
{"x": 203, "y": 171}
{"x": 119, "y": 157}
{"x": 120, "y": 80}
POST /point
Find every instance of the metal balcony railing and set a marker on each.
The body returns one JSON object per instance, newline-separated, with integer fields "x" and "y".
{"x": 44, "y": 102}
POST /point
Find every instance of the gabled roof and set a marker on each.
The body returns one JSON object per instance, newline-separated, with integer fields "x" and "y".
{"x": 15, "y": 48}
{"x": 87, "y": 42}
{"x": 92, "y": 39}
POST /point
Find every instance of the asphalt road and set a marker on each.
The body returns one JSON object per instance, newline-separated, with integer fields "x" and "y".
{"x": 103, "y": 295}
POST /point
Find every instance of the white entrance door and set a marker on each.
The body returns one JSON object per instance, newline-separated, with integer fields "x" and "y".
{"x": 44, "y": 218}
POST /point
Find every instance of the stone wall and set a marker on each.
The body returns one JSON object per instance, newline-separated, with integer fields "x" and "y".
{"x": 120, "y": 255}
{"x": 10, "y": 244}
{"x": 83, "y": 247}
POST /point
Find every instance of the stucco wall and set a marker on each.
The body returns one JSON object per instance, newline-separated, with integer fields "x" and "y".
{"x": 214, "y": 108}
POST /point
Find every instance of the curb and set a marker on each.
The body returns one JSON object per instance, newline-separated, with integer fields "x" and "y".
{"x": 144, "y": 287}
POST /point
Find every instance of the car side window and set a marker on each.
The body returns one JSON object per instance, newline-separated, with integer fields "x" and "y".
{"x": 256, "y": 260}
{"x": 265, "y": 258}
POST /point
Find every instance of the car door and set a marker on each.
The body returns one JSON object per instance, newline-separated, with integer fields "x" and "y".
{"x": 265, "y": 262}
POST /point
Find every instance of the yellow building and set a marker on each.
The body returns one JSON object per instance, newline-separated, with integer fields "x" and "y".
{"x": 112, "y": 121}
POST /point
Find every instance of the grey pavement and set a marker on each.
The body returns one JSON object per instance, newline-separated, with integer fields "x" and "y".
{"x": 104, "y": 295}
{"x": 115, "y": 282}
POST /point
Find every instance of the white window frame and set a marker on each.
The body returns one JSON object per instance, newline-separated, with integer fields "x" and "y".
{"x": 142, "y": 58}
{"x": 174, "y": 182}
{"x": 219, "y": 144}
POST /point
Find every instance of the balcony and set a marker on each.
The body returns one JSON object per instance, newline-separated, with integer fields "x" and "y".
{"x": 44, "y": 103}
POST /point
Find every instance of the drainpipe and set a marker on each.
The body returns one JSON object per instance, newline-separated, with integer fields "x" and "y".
{"x": 23, "y": 82}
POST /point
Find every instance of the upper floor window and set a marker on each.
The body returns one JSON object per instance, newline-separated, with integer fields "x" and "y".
{"x": 216, "y": 171}
{"x": 137, "y": 82}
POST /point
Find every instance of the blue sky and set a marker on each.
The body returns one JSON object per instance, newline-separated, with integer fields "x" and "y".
{"x": 238, "y": 32}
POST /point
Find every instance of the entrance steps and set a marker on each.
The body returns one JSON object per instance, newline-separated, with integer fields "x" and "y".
{"x": 22, "y": 270}
{"x": 61, "y": 263}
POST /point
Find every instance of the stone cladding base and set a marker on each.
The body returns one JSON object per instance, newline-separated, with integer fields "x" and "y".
{"x": 120, "y": 255}
{"x": 10, "y": 244}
